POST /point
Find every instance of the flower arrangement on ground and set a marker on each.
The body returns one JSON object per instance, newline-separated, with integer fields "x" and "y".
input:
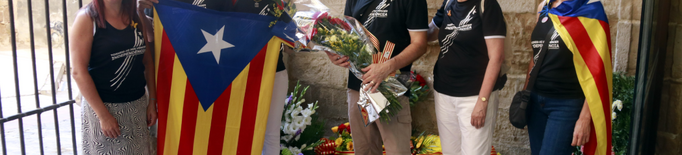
{"x": 344, "y": 142}
{"x": 426, "y": 144}
{"x": 301, "y": 129}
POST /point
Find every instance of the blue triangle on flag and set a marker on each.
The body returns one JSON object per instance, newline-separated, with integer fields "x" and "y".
{"x": 193, "y": 32}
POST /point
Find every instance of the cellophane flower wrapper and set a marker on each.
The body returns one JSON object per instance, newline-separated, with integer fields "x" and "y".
{"x": 343, "y": 35}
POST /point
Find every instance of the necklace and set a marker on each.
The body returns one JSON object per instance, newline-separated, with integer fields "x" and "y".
{"x": 256, "y": 4}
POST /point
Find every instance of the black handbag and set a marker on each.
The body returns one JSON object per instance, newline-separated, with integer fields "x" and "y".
{"x": 517, "y": 109}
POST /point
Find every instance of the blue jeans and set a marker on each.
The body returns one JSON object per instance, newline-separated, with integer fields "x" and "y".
{"x": 550, "y": 124}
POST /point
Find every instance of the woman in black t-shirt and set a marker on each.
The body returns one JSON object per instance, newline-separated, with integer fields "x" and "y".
{"x": 112, "y": 66}
{"x": 471, "y": 34}
{"x": 557, "y": 110}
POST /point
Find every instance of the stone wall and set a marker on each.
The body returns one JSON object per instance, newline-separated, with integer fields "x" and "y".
{"x": 328, "y": 81}
{"x": 669, "y": 130}
{"x": 40, "y": 25}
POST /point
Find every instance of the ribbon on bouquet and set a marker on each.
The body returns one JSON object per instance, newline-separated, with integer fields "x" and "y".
{"x": 370, "y": 104}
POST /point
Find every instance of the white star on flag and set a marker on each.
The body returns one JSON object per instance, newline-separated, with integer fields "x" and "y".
{"x": 215, "y": 43}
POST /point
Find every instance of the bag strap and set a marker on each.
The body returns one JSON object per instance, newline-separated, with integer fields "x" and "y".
{"x": 541, "y": 56}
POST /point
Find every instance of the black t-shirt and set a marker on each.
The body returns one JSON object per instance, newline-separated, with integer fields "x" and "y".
{"x": 557, "y": 77}
{"x": 463, "y": 57}
{"x": 389, "y": 20}
{"x": 246, "y": 6}
{"x": 116, "y": 65}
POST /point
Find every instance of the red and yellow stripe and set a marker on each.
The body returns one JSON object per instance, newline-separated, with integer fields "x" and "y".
{"x": 589, "y": 40}
{"x": 234, "y": 124}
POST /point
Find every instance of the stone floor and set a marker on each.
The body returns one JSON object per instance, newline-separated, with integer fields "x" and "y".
{"x": 31, "y": 127}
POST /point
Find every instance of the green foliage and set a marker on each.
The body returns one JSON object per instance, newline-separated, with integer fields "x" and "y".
{"x": 286, "y": 151}
{"x": 624, "y": 90}
{"x": 418, "y": 93}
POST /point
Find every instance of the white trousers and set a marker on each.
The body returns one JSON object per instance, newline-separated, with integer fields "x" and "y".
{"x": 458, "y": 136}
{"x": 279, "y": 94}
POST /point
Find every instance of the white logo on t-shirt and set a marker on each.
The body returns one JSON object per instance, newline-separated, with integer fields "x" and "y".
{"x": 379, "y": 12}
{"x": 464, "y": 25}
{"x": 129, "y": 55}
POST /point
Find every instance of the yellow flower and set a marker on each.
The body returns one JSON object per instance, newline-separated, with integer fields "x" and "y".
{"x": 338, "y": 141}
{"x": 349, "y": 146}
{"x": 419, "y": 143}
{"x": 335, "y": 129}
{"x": 435, "y": 145}
{"x": 347, "y": 124}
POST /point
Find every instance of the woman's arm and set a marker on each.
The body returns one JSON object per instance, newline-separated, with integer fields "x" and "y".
{"x": 581, "y": 133}
{"x": 150, "y": 76}
{"x": 532, "y": 63}
{"x": 148, "y": 60}
{"x": 82, "y": 31}
{"x": 496, "y": 56}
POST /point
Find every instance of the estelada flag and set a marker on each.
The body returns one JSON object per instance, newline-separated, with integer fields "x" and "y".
{"x": 583, "y": 26}
{"x": 215, "y": 74}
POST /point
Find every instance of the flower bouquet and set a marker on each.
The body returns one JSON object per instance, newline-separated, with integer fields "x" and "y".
{"x": 419, "y": 90}
{"x": 301, "y": 129}
{"x": 346, "y": 36}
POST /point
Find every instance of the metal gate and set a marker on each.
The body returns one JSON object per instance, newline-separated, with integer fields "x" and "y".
{"x": 55, "y": 98}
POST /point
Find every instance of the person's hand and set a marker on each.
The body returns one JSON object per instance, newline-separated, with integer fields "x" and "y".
{"x": 145, "y": 4}
{"x": 151, "y": 113}
{"x": 109, "y": 126}
{"x": 478, "y": 115}
{"x": 375, "y": 74}
{"x": 581, "y": 133}
{"x": 338, "y": 60}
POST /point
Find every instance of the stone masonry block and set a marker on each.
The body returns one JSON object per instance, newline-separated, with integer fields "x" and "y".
{"x": 624, "y": 9}
{"x": 316, "y": 68}
{"x": 620, "y": 58}
{"x": 518, "y": 6}
{"x": 424, "y": 116}
{"x": 636, "y": 9}
{"x": 508, "y": 134}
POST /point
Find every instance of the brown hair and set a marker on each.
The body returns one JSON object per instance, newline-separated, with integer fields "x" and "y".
{"x": 96, "y": 11}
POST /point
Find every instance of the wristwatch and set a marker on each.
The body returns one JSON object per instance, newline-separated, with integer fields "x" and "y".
{"x": 484, "y": 99}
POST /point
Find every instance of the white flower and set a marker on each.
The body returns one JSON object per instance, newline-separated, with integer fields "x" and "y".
{"x": 613, "y": 115}
{"x": 297, "y": 137}
{"x": 300, "y": 122}
{"x": 308, "y": 120}
{"x": 307, "y": 112}
{"x": 296, "y": 111}
{"x": 619, "y": 104}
